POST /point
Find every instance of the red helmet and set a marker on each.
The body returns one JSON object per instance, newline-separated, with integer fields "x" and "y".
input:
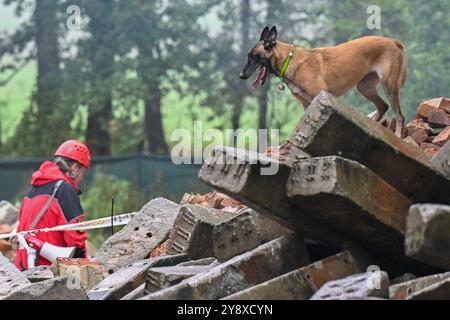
{"x": 75, "y": 150}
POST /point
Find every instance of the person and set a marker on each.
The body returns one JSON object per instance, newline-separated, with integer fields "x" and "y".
{"x": 59, "y": 177}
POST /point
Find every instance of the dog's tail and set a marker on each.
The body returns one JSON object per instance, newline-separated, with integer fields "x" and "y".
{"x": 404, "y": 67}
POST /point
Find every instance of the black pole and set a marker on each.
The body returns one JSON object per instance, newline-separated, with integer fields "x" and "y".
{"x": 112, "y": 215}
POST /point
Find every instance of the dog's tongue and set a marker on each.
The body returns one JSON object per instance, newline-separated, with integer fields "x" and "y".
{"x": 258, "y": 79}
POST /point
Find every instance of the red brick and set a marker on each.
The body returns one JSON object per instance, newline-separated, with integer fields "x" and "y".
{"x": 431, "y": 152}
{"x": 425, "y": 109}
{"x": 414, "y": 126}
{"x": 425, "y": 145}
{"x": 441, "y": 103}
{"x": 420, "y": 136}
{"x": 411, "y": 140}
{"x": 438, "y": 118}
{"x": 442, "y": 137}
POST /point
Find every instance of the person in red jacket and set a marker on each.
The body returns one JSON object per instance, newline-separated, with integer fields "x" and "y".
{"x": 59, "y": 177}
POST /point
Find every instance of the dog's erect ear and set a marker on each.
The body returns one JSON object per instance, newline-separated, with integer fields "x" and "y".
{"x": 272, "y": 37}
{"x": 271, "y": 40}
{"x": 264, "y": 33}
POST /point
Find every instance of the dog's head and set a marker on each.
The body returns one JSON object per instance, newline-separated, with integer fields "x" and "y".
{"x": 260, "y": 56}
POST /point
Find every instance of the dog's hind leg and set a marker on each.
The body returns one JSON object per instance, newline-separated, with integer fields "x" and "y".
{"x": 391, "y": 86}
{"x": 368, "y": 88}
{"x": 393, "y": 95}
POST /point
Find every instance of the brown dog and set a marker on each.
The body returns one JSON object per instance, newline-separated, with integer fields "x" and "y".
{"x": 363, "y": 62}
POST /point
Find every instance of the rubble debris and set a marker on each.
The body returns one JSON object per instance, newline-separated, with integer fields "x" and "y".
{"x": 89, "y": 272}
{"x": 204, "y": 232}
{"x": 347, "y": 195}
{"x": 329, "y": 127}
{"x": 403, "y": 278}
{"x": 363, "y": 285}
{"x": 5, "y": 245}
{"x": 159, "y": 250}
{"x": 301, "y": 284}
{"x": 164, "y": 277}
{"x": 406, "y": 290}
{"x": 238, "y": 174}
{"x": 11, "y": 279}
{"x": 137, "y": 293}
{"x": 427, "y": 237}
{"x": 9, "y": 214}
{"x": 199, "y": 262}
{"x": 248, "y": 269}
{"x": 192, "y": 231}
{"x": 128, "y": 278}
{"x": 215, "y": 200}
{"x": 285, "y": 153}
{"x": 437, "y": 291}
{"x": 60, "y": 288}
{"x": 147, "y": 230}
{"x": 39, "y": 274}
{"x": 431, "y": 126}
{"x": 242, "y": 233}
{"x": 441, "y": 161}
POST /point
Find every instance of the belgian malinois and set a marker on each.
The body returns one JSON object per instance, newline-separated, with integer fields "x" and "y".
{"x": 363, "y": 62}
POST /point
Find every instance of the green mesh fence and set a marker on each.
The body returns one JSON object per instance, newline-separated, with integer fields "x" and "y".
{"x": 153, "y": 175}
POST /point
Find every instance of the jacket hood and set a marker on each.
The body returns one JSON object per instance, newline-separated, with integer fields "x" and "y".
{"x": 49, "y": 172}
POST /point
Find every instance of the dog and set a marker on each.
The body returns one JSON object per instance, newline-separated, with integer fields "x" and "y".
{"x": 364, "y": 62}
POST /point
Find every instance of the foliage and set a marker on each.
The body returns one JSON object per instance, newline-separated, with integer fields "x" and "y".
{"x": 96, "y": 202}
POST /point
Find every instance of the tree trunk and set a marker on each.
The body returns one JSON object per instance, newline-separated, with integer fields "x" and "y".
{"x": 101, "y": 55}
{"x": 242, "y": 89}
{"x": 98, "y": 137}
{"x": 153, "y": 122}
{"x": 48, "y": 72}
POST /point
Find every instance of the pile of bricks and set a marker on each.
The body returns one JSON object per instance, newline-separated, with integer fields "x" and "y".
{"x": 351, "y": 212}
{"x": 431, "y": 128}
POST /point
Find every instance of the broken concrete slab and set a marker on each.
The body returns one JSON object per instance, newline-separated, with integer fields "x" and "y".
{"x": 352, "y": 199}
{"x": 60, "y": 288}
{"x": 427, "y": 236}
{"x": 437, "y": 291}
{"x": 38, "y": 274}
{"x": 441, "y": 161}
{"x": 89, "y": 272}
{"x": 164, "y": 277}
{"x": 11, "y": 279}
{"x": 329, "y": 127}
{"x": 192, "y": 231}
{"x": 301, "y": 284}
{"x": 148, "y": 229}
{"x": 248, "y": 269}
{"x": 9, "y": 214}
{"x": 407, "y": 289}
{"x": 244, "y": 232}
{"x": 369, "y": 284}
{"x": 403, "y": 278}
{"x": 204, "y": 232}
{"x": 199, "y": 262}
{"x": 137, "y": 293}
{"x": 238, "y": 173}
{"x": 130, "y": 277}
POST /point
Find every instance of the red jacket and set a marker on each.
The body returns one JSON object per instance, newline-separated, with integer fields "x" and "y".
{"x": 65, "y": 208}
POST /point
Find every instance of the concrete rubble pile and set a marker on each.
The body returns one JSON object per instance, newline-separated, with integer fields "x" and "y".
{"x": 351, "y": 212}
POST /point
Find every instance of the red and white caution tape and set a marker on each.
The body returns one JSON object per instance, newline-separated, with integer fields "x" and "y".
{"x": 80, "y": 226}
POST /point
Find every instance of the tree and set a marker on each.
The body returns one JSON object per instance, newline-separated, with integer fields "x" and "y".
{"x": 173, "y": 40}
{"x": 37, "y": 39}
